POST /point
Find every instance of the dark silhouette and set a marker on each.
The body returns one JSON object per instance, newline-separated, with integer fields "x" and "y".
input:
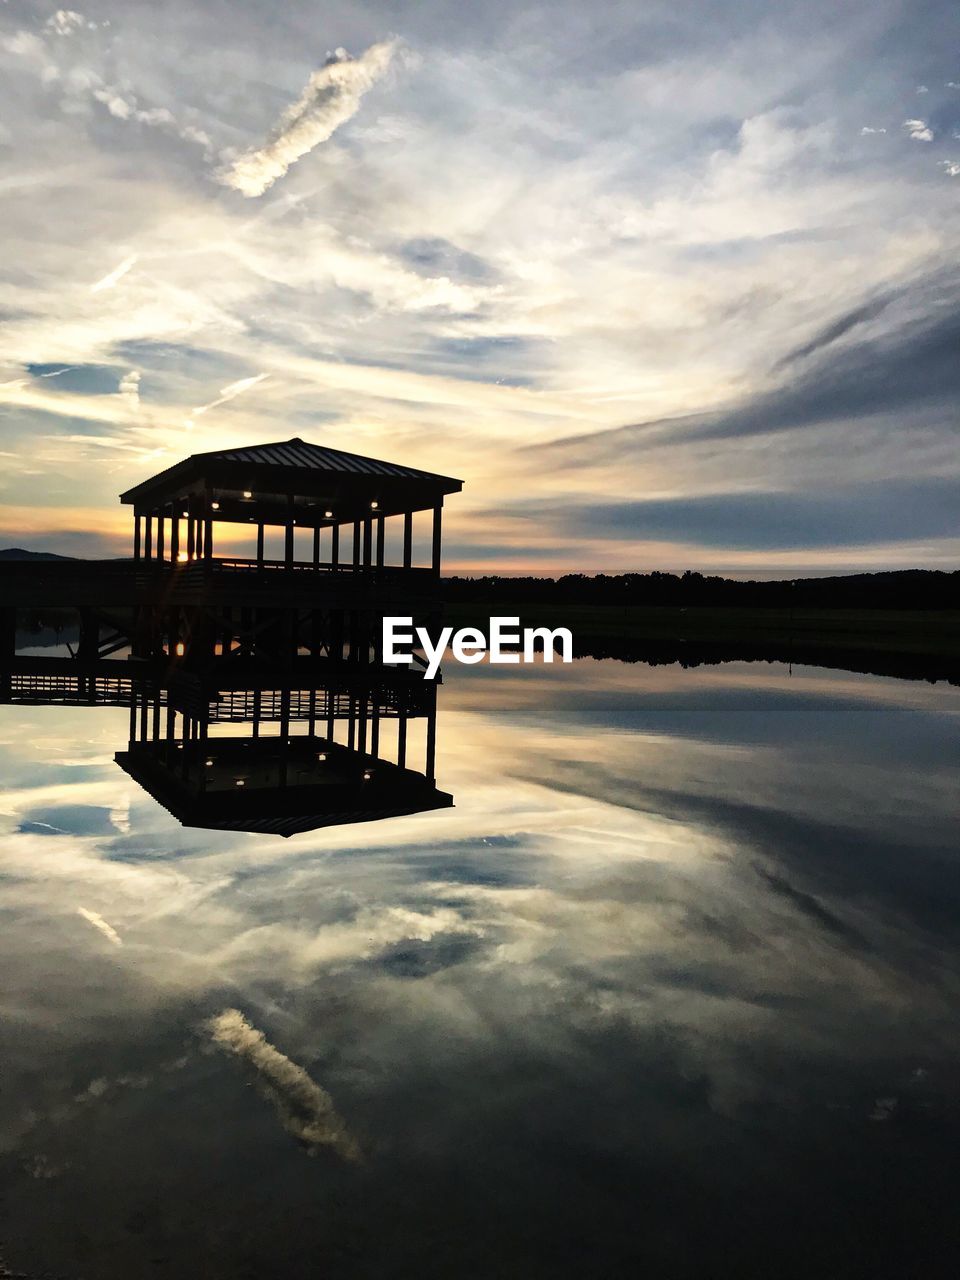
{"x": 903, "y": 589}
{"x": 247, "y": 641}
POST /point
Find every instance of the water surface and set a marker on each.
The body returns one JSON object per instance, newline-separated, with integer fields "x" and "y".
{"x": 672, "y": 990}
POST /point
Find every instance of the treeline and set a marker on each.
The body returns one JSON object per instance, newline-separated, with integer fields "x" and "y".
{"x": 906, "y": 589}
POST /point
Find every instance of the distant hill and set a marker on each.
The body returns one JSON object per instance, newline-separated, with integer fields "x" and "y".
{"x": 18, "y": 553}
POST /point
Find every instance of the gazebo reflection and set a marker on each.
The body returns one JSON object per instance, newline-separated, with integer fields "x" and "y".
{"x": 267, "y": 757}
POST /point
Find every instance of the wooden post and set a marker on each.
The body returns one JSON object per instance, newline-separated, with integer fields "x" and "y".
{"x": 191, "y": 532}
{"x": 316, "y": 547}
{"x": 8, "y": 632}
{"x": 174, "y": 532}
{"x": 137, "y": 534}
{"x": 288, "y": 535}
{"x": 202, "y": 755}
{"x": 437, "y": 517}
{"x": 380, "y": 532}
{"x": 402, "y": 739}
{"x": 367, "y": 541}
{"x": 160, "y": 533}
{"x": 335, "y": 545}
{"x": 260, "y": 544}
{"x": 356, "y": 544}
{"x": 407, "y": 539}
{"x": 431, "y": 769}
{"x": 148, "y": 542}
{"x": 284, "y": 714}
{"x": 207, "y": 527}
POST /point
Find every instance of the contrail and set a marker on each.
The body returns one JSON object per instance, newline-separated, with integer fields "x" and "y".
{"x": 305, "y": 1110}
{"x": 331, "y": 97}
{"x": 231, "y": 391}
{"x": 116, "y": 274}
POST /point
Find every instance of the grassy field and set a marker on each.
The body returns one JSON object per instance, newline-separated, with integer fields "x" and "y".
{"x": 922, "y": 633}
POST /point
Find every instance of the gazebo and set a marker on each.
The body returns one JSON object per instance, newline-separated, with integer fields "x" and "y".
{"x": 325, "y": 596}
{"x": 290, "y": 484}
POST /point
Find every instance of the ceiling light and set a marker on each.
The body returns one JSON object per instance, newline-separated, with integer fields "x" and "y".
{"x": 247, "y": 493}
{"x": 215, "y": 506}
{"x": 374, "y": 506}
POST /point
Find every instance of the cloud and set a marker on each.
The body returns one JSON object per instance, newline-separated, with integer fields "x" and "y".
{"x": 839, "y": 515}
{"x": 952, "y": 167}
{"x": 869, "y": 129}
{"x": 129, "y": 388}
{"x": 836, "y": 329}
{"x": 65, "y": 21}
{"x": 111, "y": 278}
{"x": 305, "y": 1109}
{"x": 98, "y": 922}
{"x": 331, "y": 98}
{"x": 123, "y": 105}
{"x": 115, "y": 102}
{"x": 76, "y": 85}
{"x": 909, "y": 368}
{"x": 919, "y": 130}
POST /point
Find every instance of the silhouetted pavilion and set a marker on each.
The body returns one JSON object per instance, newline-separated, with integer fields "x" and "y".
{"x": 292, "y": 485}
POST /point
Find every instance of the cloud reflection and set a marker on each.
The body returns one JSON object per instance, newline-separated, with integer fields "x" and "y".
{"x": 98, "y": 922}
{"x": 305, "y": 1109}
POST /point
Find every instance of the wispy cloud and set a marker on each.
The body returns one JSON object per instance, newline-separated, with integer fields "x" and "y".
{"x": 331, "y": 97}
{"x": 112, "y": 277}
{"x": 98, "y": 922}
{"x": 305, "y": 1109}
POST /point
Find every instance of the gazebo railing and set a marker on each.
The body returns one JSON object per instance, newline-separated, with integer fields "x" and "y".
{"x": 247, "y": 565}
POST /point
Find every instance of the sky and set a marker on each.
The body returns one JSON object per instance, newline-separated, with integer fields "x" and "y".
{"x": 668, "y": 286}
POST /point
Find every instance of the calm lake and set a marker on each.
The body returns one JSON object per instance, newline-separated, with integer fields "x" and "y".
{"x": 673, "y": 991}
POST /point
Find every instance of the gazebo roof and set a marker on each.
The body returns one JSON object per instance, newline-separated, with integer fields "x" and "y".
{"x": 300, "y": 468}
